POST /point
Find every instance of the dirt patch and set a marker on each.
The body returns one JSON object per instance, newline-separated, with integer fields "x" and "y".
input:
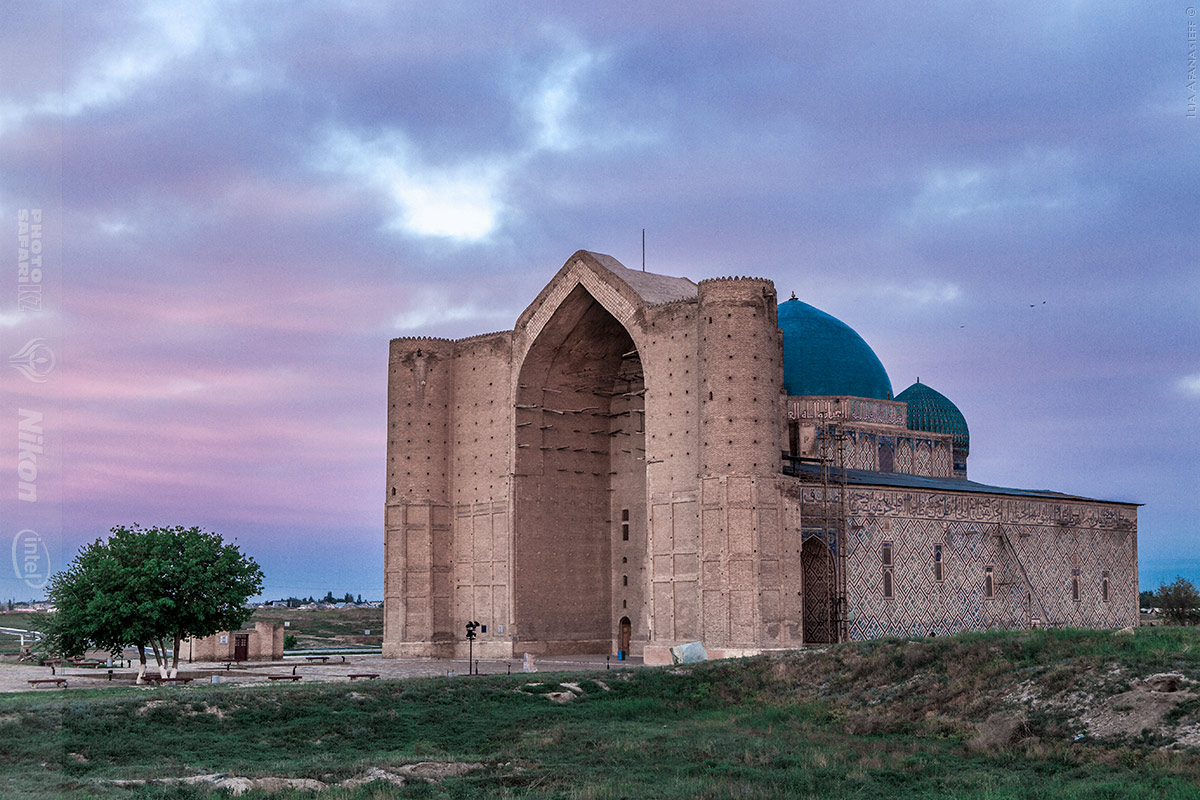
{"x": 998, "y": 731}
{"x": 152, "y": 704}
{"x": 422, "y": 772}
{"x": 216, "y": 712}
{"x": 573, "y": 690}
{"x": 1142, "y": 708}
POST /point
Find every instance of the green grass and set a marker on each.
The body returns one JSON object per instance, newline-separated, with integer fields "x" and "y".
{"x": 326, "y": 627}
{"x": 9, "y": 644}
{"x": 888, "y": 719}
{"x": 28, "y": 620}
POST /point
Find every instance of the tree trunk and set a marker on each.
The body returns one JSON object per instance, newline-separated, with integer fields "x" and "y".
{"x": 160, "y": 654}
{"x": 175, "y": 656}
{"x": 141, "y": 676}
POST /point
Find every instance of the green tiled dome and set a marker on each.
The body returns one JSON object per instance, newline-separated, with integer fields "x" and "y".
{"x": 930, "y": 410}
{"x": 823, "y": 356}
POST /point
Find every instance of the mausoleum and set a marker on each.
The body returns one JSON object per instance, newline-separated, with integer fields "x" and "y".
{"x": 644, "y": 461}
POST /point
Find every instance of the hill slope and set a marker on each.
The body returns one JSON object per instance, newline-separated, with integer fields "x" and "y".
{"x": 1074, "y": 714}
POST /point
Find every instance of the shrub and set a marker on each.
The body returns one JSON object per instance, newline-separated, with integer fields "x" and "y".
{"x": 1179, "y": 601}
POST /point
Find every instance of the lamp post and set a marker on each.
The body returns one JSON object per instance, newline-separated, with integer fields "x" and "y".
{"x": 471, "y": 626}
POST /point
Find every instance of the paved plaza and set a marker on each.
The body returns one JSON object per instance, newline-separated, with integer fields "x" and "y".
{"x": 15, "y": 677}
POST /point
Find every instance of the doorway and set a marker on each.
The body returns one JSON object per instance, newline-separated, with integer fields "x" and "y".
{"x": 816, "y": 564}
{"x": 624, "y": 635}
{"x": 241, "y": 647}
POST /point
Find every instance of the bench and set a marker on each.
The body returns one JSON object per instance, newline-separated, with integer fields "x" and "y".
{"x": 88, "y": 662}
{"x": 157, "y": 679}
{"x": 316, "y": 658}
{"x": 57, "y": 681}
{"x": 370, "y": 675}
{"x": 284, "y": 677}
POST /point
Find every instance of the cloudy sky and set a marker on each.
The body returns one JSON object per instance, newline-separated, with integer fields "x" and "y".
{"x": 241, "y": 203}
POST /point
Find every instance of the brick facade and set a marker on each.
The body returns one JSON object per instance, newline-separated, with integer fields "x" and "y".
{"x": 607, "y": 475}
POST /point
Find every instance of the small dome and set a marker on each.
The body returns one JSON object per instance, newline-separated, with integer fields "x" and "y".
{"x": 930, "y": 410}
{"x": 823, "y": 356}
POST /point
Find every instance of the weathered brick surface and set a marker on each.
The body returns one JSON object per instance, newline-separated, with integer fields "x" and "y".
{"x": 613, "y": 464}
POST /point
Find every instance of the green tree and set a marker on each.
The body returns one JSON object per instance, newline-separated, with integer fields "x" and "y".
{"x": 150, "y": 586}
{"x": 1179, "y": 601}
{"x": 1146, "y": 598}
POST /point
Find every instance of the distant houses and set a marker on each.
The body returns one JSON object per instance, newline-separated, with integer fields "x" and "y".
{"x": 291, "y": 603}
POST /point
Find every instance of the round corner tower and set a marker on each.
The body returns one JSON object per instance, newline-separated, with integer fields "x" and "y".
{"x": 740, "y": 377}
{"x": 740, "y": 357}
{"x": 417, "y": 528}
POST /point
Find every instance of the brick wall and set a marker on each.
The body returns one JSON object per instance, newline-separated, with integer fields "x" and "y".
{"x": 1034, "y": 547}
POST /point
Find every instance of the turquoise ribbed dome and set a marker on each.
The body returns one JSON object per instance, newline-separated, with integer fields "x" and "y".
{"x": 930, "y": 410}
{"x": 823, "y": 356}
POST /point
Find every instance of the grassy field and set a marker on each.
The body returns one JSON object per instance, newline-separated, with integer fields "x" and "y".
{"x": 11, "y": 645}
{"x": 974, "y": 716}
{"x": 328, "y": 627}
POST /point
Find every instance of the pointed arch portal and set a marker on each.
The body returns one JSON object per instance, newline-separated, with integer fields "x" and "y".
{"x": 580, "y": 460}
{"x": 816, "y": 562}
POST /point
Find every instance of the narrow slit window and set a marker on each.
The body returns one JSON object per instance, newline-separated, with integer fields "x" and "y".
{"x": 1075, "y": 595}
{"x": 885, "y": 557}
{"x": 1104, "y": 586}
{"x": 938, "y": 574}
{"x": 989, "y": 583}
{"x": 624, "y": 580}
{"x": 625, "y": 531}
